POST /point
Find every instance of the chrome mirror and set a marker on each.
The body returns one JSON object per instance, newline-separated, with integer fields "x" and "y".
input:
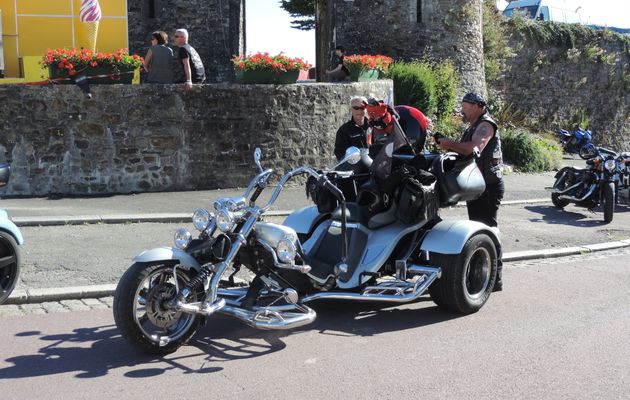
{"x": 352, "y": 156}
{"x": 257, "y": 155}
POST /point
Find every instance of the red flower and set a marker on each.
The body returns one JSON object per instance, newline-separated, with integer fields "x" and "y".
{"x": 93, "y": 63}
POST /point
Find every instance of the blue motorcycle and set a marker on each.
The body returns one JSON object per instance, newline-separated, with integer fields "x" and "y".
{"x": 577, "y": 142}
{"x": 10, "y": 240}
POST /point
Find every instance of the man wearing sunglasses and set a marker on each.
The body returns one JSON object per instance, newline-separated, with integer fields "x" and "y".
{"x": 354, "y": 132}
{"x": 189, "y": 59}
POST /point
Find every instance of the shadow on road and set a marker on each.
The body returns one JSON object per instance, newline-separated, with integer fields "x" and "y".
{"x": 553, "y": 215}
{"x": 93, "y": 352}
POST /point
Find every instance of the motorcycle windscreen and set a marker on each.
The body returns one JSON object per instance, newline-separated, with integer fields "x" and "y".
{"x": 382, "y": 165}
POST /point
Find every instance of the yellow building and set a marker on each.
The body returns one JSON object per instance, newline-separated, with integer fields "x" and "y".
{"x": 30, "y": 27}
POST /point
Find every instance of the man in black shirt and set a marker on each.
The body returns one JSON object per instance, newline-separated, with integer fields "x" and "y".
{"x": 354, "y": 132}
{"x": 339, "y": 73}
{"x": 191, "y": 62}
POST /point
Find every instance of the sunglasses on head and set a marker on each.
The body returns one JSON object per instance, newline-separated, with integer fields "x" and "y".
{"x": 358, "y": 108}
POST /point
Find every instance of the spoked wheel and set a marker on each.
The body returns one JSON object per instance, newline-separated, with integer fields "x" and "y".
{"x": 141, "y": 312}
{"x": 467, "y": 278}
{"x": 9, "y": 265}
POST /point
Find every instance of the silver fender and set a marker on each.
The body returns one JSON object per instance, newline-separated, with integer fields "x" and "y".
{"x": 8, "y": 226}
{"x": 303, "y": 220}
{"x": 168, "y": 254}
{"x": 449, "y": 237}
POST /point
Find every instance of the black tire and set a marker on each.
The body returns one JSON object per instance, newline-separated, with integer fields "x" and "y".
{"x": 559, "y": 203}
{"x": 453, "y": 290}
{"x": 9, "y": 265}
{"x": 125, "y": 313}
{"x": 609, "y": 201}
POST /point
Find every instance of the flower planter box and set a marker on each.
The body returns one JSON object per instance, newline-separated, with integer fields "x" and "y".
{"x": 266, "y": 77}
{"x": 364, "y": 75}
{"x": 122, "y": 75}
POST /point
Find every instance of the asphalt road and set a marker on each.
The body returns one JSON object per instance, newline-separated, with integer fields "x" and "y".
{"x": 559, "y": 331}
{"x": 95, "y": 254}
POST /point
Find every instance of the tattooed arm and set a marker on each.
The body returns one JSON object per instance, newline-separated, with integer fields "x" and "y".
{"x": 480, "y": 139}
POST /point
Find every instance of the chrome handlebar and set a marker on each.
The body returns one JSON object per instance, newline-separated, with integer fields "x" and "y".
{"x": 283, "y": 181}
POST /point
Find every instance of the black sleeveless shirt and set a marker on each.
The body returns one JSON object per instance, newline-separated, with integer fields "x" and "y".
{"x": 491, "y": 161}
{"x": 197, "y": 72}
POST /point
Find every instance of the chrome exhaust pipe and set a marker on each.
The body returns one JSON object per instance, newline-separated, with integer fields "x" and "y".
{"x": 558, "y": 191}
{"x": 586, "y": 196}
{"x": 269, "y": 319}
{"x": 204, "y": 308}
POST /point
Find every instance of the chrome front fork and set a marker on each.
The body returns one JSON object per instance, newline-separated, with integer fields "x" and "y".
{"x": 220, "y": 268}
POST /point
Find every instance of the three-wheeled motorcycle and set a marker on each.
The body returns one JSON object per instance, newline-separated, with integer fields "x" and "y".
{"x": 390, "y": 250}
{"x": 10, "y": 240}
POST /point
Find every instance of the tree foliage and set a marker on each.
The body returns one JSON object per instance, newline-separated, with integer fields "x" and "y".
{"x": 302, "y": 12}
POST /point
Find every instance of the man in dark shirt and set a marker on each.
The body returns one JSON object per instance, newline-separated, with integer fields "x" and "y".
{"x": 483, "y": 134}
{"x": 354, "y": 132}
{"x": 191, "y": 62}
{"x": 339, "y": 73}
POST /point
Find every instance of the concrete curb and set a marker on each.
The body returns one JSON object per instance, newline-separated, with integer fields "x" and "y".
{"x": 95, "y": 291}
{"x": 167, "y": 217}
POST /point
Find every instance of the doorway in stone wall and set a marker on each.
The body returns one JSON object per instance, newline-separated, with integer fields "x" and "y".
{"x": 268, "y": 29}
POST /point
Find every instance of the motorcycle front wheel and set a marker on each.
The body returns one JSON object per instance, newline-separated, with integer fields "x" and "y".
{"x": 141, "y": 313}
{"x": 9, "y": 265}
{"x": 609, "y": 201}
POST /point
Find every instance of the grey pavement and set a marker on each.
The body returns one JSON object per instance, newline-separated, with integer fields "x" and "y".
{"x": 558, "y": 331}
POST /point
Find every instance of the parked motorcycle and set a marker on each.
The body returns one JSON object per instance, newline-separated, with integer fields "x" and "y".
{"x": 352, "y": 253}
{"x": 10, "y": 240}
{"x": 622, "y": 182}
{"x": 591, "y": 186}
{"x": 576, "y": 142}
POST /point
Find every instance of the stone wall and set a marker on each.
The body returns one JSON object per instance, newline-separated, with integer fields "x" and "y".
{"x": 408, "y": 29}
{"x": 216, "y": 28}
{"x": 560, "y": 70}
{"x": 132, "y": 138}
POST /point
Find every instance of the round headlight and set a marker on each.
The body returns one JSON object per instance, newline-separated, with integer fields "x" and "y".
{"x": 182, "y": 238}
{"x": 201, "y": 219}
{"x": 225, "y": 221}
{"x": 610, "y": 165}
{"x": 286, "y": 251}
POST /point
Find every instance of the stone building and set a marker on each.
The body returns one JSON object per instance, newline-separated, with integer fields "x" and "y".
{"x": 406, "y": 29}
{"x": 216, "y": 27}
{"x": 403, "y": 29}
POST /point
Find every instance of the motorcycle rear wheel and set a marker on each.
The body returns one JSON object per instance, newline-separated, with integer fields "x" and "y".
{"x": 9, "y": 265}
{"x": 140, "y": 312}
{"x": 559, "y": 203}
{"x": 467, "y": 278}
{"x": 609, "y": 201}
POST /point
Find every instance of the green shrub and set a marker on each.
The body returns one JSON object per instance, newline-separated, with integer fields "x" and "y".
{"x": 446, "y": 80}
{"x": 428, "y": 86}
{"x": 414, "y": 85}
{"x": 529, "y": 153}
